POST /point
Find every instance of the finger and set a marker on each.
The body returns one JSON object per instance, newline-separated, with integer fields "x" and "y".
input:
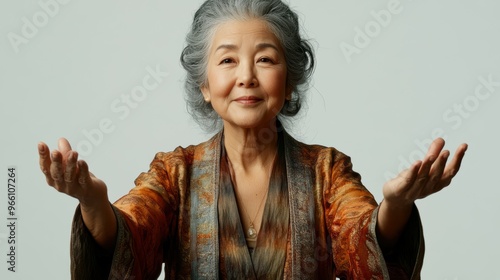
{"x": 435, "y": 149}
{"x": 45, "y": 162}
{"x": 423, "y": 174}
{"x": 64, "y": 147}
{"x": 435, "y": 174}
{"x": 84, "y": 178}
{"x": 431, "y": 156}
{"x": 56, "y": 171}
{"x": 454, "y": 166}
{"x": 71, "y": 167}
{"x": 412, "y": 173}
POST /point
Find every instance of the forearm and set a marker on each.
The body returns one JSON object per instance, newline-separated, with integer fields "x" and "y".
{"x": 391, "y": 221}
{"x": 100, "y": 220}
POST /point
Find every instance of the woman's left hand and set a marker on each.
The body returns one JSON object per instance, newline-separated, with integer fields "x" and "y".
{"x": 425, "y": 177}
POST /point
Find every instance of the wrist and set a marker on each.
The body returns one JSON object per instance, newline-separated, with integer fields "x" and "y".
{"x": 391, "y": 220}
{"x": 397, "y": 205}
{"x": 94, "y": 205}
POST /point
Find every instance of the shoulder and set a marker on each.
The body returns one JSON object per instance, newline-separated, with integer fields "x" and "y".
{"x": 187, "y": 155}
{"x": 324, "y": 161}
{"x": 313, "y": 152}
{"x": 176, "y": 165}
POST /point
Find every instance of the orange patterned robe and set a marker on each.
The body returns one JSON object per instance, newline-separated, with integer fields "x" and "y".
{"x": 171, "y": 217}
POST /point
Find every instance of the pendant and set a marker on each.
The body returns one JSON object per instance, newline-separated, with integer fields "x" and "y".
{"x": 252, "y": 233}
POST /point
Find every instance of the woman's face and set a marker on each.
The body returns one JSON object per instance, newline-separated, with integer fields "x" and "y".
{"x": 246, "y": 74}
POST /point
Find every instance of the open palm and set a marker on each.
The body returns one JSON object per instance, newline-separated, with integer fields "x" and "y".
{"x": 424, "y": 177}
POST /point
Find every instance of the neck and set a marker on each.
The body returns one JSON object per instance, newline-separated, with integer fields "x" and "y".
{"x": 249, "y": 148}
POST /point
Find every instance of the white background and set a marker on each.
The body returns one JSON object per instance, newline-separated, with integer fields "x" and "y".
{"x": 393, "y": 94}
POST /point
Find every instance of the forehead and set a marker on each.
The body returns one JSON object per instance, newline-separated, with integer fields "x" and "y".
{"x": 239, "y": 32}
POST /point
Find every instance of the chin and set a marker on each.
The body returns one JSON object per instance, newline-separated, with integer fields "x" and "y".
{"x": 249, "y": 123}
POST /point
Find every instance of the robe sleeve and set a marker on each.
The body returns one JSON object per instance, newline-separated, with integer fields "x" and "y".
{"x": 145, "y": 225}
{"x": 351, "y": 215}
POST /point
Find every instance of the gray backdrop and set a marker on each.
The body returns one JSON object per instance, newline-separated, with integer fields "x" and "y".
{"x": 391, "y": 75}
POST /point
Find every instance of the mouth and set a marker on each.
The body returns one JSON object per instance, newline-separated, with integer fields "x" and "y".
{"x": 248, "y": 99}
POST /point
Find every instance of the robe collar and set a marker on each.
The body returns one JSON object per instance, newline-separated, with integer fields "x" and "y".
{"x": 204, "y": 235}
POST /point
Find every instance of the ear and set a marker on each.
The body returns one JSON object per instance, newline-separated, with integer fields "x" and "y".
{"x": 206, "y": 92}
{"x": 288, "y": 93}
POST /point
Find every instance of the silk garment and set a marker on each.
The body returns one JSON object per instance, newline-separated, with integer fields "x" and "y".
{"x": 171, "y": 216}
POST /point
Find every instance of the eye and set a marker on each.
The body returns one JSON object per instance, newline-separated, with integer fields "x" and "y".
{"x": 226, "y": 61}
{"x": 265, "y": 60}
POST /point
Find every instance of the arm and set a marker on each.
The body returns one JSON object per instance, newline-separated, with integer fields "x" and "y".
{"x": 125, "y": 240}
{"x": 349, "y": 211}
{"x": 71, "y": 176}
{"x": 420, "y": 180}
{"x": 351, "y": 216}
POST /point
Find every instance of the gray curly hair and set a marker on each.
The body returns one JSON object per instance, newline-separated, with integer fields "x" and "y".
{"x": 282, "y": 21}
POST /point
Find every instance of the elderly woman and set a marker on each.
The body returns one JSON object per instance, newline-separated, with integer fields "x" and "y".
{"x": 251, "y": 202}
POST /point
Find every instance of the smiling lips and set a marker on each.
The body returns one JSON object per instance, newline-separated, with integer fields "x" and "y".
{"x": 248, "y": 100}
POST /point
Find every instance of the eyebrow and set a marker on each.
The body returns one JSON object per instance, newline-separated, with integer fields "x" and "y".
{"x": 259, "y": 46}
{"x": 267, "y": 45}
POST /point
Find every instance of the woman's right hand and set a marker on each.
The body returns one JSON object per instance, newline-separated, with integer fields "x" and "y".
{"x": 71, "y": 176}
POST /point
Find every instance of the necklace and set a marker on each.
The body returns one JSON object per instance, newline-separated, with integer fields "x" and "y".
{"x": 251, "y": 231}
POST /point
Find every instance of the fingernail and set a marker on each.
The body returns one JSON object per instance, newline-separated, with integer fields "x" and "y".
{"x": 40, "y": 148}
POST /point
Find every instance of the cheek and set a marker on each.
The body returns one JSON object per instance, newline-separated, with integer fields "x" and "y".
{"x": 220, "y": 83}
{"x": 276, "y": 82}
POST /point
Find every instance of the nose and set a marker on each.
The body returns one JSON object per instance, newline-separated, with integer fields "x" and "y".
{"x": 246, "y": 77}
